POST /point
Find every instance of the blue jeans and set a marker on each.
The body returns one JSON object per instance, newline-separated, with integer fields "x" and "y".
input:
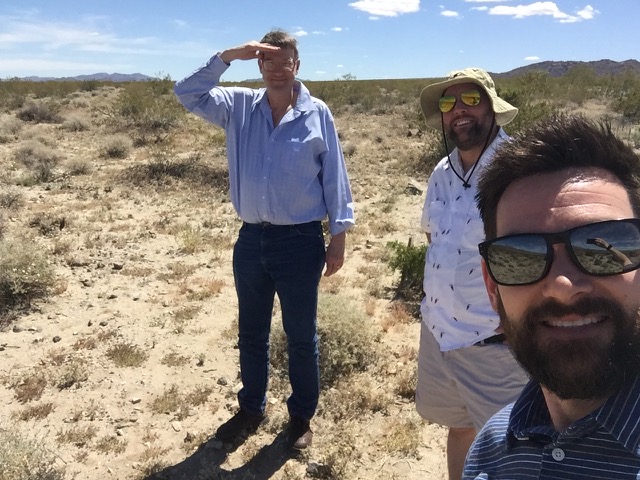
{"x": 287, "y": 260}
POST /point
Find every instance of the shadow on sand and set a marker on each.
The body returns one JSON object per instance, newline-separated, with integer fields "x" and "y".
{"x": 205, "y": 463}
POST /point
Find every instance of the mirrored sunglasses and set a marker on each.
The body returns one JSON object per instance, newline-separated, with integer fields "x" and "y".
{"x": 272, "y": 66}
{"x": 600, "y": 249}
{"x": 470, "y": 98}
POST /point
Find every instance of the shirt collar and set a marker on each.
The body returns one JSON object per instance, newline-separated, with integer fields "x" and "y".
{"x": 304, "y": 101}
{"x": 619, "y": 415}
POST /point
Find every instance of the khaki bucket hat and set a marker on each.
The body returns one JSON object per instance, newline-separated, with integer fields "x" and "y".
{"x": 430, "y": 95}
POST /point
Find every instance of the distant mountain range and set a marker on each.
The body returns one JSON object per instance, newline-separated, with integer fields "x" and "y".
{"x": 558, "y": 69}
{"x": 554, "y": 69}
{"x": 104, "y": 77}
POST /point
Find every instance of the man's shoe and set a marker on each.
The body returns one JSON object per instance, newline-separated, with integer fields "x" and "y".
{"x": 300, "y": 434}
{"x": 239, "y": 427}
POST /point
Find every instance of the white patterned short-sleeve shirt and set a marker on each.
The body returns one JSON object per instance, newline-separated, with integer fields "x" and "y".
{"x": 456, "y": 307}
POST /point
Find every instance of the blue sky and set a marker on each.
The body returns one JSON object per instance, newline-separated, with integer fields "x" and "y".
{"x": 364, "y": 38}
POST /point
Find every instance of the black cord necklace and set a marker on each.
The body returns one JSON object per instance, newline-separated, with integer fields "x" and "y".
{"x": 465, "y": 181}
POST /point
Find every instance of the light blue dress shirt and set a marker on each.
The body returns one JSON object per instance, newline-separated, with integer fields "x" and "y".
{"x": 288, "y": 174}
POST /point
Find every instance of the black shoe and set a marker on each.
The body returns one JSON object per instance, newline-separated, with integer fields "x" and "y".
{"x": 299, "y": 435}
{"x": 239, "y": 427}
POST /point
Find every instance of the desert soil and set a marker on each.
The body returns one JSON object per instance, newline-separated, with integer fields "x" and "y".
{"x": 119, "y": 254}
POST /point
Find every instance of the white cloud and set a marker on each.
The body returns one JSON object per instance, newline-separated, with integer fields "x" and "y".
{"x": 336, "y": 29}
{"x": 318, "y": 32}
{"x": 543, "y": 9}
{"x": 587, "y": 13}
{"x": 340, "y": 66}
{"x": 449, "y": 13}
{"x": 486, "y": 1}
{"x": 320, "y": 72}
{"x": 480, "y": 9}
{"x": 386, "y": 8}
{"x": 300, "y": 33}
{"x": 532, "y": 58}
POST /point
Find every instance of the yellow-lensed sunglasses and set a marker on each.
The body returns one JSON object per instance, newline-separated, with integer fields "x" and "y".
{"x": 470, "y": 98}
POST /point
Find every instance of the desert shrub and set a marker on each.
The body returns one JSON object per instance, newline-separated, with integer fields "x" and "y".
{"x": 39, "y": 112}
{"x": 409, "y": 261}
{"x": 163, "y": 170}
{"x": 76, "y": 123}
{"x": 116, "y": 146}
{"x": 434, "y": 151}
{"x": 48, "y": 224}
{"x": 348, "y": 342}
{"x": 628, "y": 105}
{"x": 39, "y": 159}
{"x": 79, "y": 167}
{"x": 148, "y": 111}
{"x": 25, "y": 273}
{"x": 23, "y": 457}
{"x": 11, "y": 199}
{"x": 9, "y": 129}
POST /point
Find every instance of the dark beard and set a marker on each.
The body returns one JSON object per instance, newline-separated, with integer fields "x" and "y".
{"x": 475, "y": 136}
{"x": 588, "y": 369}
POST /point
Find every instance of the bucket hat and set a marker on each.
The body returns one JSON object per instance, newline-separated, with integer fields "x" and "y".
{"x": 505, "y": 112}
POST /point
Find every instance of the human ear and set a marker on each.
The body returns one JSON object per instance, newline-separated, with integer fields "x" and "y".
{"x": 491, "y": 286}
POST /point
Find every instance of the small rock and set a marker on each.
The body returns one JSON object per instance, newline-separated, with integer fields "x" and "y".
{"x": 223, "y": 381}
{"x": 104, "y": 323}
{"x": 136, "y": 400}
{"x": 57, "y": 338}
{"x": 17, "y": 329}
{"x": 118, "y": 265}
{"x": 177, "y": 426}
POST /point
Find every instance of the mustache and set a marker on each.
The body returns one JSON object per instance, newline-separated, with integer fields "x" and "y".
{"x": 583, "y": 307}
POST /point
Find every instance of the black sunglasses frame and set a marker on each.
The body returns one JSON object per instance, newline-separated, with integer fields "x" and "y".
{"x": 564, "y": 237}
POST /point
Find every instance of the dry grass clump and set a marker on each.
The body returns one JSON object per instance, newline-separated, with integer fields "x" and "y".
{"x": 23, "y": 457}
{"x": 127, "y": 355}
{"x": 79, "y": 167}
{"x": 35, "y": 412}
{"x": 355, "y": 397}
{"x": 29, "y": 387}
{"x": 178, "y": 404}
{"x": 402, "y": 437}
{"x": 116, "y": 146}
{"x": 76, "y": 123}
{"x": 77, "y": 435}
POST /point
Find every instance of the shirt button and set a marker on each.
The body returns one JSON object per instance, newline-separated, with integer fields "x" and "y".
{"x": 557, "y": 454}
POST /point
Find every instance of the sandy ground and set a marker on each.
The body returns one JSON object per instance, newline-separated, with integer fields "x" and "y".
{"x": 121, "y": 255}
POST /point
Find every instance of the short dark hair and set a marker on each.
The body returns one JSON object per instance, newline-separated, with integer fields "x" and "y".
{"x": 551, "y": 145}
{"x": 282, "y": 39}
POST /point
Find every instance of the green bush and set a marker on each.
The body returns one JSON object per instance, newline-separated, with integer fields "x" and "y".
{"x": 348, "y": 342}
{"x": 409, "y": 261}
{"x": 148, "y": 111}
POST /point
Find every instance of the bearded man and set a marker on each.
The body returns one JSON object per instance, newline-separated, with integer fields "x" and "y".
{"x": 561, "y": 212}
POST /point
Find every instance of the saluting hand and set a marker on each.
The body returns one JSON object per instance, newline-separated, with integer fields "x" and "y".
{"x": 249, "y": 51}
